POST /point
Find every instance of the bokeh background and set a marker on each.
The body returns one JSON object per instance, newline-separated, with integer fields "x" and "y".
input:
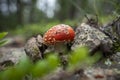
{"x": 31, "y": 17}
{"x": 21, "y": 20}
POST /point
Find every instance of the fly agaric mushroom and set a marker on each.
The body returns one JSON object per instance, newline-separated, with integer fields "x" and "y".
{"x": 58, "y": 36}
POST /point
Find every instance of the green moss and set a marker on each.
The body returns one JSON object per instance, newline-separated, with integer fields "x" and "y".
{"x": 45, "y": 66}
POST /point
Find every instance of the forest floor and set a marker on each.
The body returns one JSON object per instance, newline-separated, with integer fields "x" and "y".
{"x": 104, "y": 69}
{"x": 109, "y": 70}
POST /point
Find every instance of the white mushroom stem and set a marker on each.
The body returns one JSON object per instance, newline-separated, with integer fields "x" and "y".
{"x": 60, "y": 47}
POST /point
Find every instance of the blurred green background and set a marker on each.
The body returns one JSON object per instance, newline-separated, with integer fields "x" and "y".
{"x": 30, "y": 17}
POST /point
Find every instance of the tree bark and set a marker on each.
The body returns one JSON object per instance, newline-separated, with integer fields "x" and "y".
{"x": 20, "y": 12}
{"x": 32, "y": 11}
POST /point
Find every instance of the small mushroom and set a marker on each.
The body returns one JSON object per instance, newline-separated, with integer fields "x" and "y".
{"x": 58, "y": 36}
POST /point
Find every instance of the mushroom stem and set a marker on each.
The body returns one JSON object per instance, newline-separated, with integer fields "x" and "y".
{"x": 61, "y": 49}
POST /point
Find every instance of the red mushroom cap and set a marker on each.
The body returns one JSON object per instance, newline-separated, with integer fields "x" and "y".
{"x": 58, "y": 33}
